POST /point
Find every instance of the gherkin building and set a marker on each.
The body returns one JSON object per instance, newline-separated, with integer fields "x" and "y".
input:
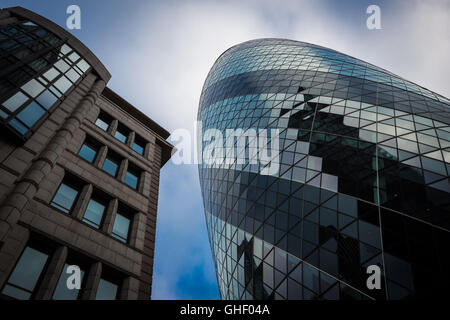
{"x": 362, "y": 179}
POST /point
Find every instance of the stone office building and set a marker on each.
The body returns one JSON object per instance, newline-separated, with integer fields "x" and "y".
{"x": 79, "y": 170}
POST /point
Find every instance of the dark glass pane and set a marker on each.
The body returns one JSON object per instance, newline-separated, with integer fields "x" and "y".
{"x": 121, "y": 228}
{"x": 120, "y": 136}
{"x": 47, "y": 99}
{"x": 15, "y": 102}
{"x": 62, "y": 292}
{"x": 64, "y": 198}
{"x": 18, "y": 126}
{"x": 63, "y": 84}
{"x": 131, "y": 180}
{"x": 138, "y": 148}
{"x": 110, "y": 167}
{"x": 106, "y": 290}
{"x": 94, "y": 213}
{"x": 26, "y": 274}
{"x": 31, "y": 114}
{"x": 88, "y": 153}
{"x": 102, "y": 124}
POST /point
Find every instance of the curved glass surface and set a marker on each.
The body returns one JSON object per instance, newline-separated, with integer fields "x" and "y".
{"x": 362, "y": 180}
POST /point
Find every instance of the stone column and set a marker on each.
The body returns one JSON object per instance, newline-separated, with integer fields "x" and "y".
{"x": 113, "y": 127}
{"x": 82, "y": 202}
{"x": 92, "y": 281}
{"x": 122, "y": 170}
{"x": 110, "y": 216}
{"x": 129, "y": 289}
{"x": 51, "y": 277}
{"x": 131, "y": 138}
{"x": 101, "y": 156}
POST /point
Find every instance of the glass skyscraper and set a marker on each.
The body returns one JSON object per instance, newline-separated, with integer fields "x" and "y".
{"x": 363, "y": 177}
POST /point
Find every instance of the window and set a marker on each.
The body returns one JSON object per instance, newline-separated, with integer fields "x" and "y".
{"x": 138, "y": 145}
{"x": 132, "y": 178}
{"x": 121, "y": 134}
{"x": 62, "y": 292}
{"x": 23, "y": 279}
{"x": 106, "y": 290}
{"x": 29, "y": 94}
{"x": 65, "y": 197}
{"x": 121, "y": 227}
{"x": 93, "y": 215}
{"x": 88, "y": 151}
{"x": 110, "y": 166}
{"x": 103, "y": 122}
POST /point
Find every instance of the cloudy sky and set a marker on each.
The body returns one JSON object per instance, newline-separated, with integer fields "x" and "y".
{"x": 159, "y": 53}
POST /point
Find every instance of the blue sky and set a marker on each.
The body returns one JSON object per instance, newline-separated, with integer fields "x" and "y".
{"x": 159, "y": 53}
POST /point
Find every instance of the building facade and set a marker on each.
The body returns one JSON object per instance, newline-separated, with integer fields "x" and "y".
{"x": 79, "y": 170}
{"x": 362, "y": 179}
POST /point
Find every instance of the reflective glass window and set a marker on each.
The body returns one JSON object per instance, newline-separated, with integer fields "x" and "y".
{"x": 22, "y": 281}
{"x": 64, "y": 198}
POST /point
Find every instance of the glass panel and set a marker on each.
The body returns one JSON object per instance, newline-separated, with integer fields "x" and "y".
{"x": 102, "y": 124}
{"x": 110, "y": 167}
{"x": 106, "y": 290}
{"x": 64, "y": 198}
{"x": 121, "y": 227}
{"x": 31, "y": 114}
{"x": 61, "y": 291}
{"x": 131, "y": 180}
{"x": 88, "y": 153}
{"x": 138, "y": 148}
{"x": 63, "y": 84}
{"x": 26, "y": 274}
{"x": 18, "y": 126}
{"x": 94, "y": 213}
{"x": 120, "y": 136}
{"x": 62, "y": 65}
{"x": 72, "y": 75}
{"x": 51, "y": 74}
{"x": 47, "y": 99}
{"x": 83, "y": 65}
{"x": 33, "y": 88}
{"x": 16, "y": 101}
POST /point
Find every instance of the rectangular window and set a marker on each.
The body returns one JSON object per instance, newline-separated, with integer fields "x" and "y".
{"x": 106, "y": 290}
{"x": 132, "y": 178}
{"x": 65, "y": 197}
{"x": 93, "y": 215}
{"x": 121, "y": 135}
{"x": 103, "y": 122}
{"x": 88, "y": 152}
{"x": 110, "y": 166}
{"x": 22, "y": 281}
{"x": 139, "y": 145}
{"x": 121, "y": 227}
{"x": 62, "y": 292}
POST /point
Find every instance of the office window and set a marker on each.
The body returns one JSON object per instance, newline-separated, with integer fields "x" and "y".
{"x": 132, "y": 178}
{"x": 94, "y": 213}
{"x": 121, "y": 227}
{"x": 106, "y": 290}
{"x": 22, "y": 281}
{"x": 64, "y": 197}
{"x": 110, "y": 166}
{"x": 103, "y": 122}
{"x": 88, "y": 152}
{"x": 139, "y": 145}
{"x": 62, "y": 292}
{"x": 28, "y": 94}
{"x": 121, "y": 134}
